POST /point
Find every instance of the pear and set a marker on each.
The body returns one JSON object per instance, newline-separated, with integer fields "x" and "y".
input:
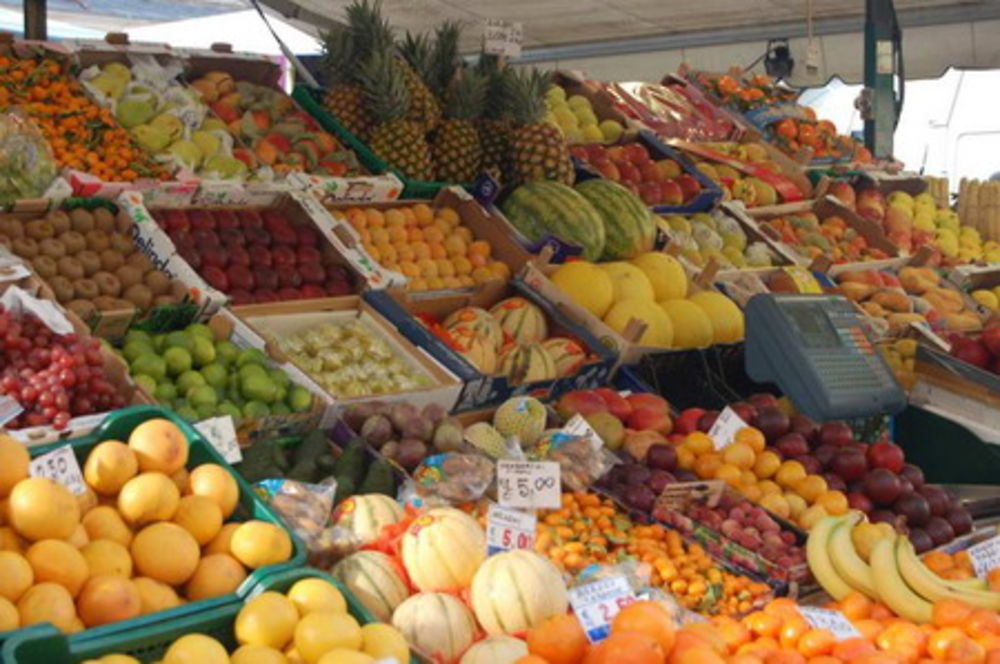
{"x": 227, "y": 167}
{"x": 208, "y": 143}
{"x": 111, "y": 87}
{"x": 117, "y": 70}
{"x": 134, "y": 111}
{"x": 153, "y": 139}
{"x": 170, "y": 124}
{"x": 187, "y": 152}
{"x": 211, "y": 124}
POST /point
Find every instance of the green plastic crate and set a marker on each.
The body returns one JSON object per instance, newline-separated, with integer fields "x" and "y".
{"x": 308, "y": 98}
{"x": 149, "y": 640}
{"x": 117, "y": 426}
{"x": 947, "y": 452}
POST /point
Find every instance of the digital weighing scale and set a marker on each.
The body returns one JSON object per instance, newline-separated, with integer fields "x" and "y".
{"x": 816, "y": 350}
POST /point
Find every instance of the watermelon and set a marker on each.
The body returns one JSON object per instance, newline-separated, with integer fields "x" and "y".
{"x": 537, "y": 209}
{"x": 629, "y": 226}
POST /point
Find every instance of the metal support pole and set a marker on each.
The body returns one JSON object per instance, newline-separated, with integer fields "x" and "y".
{"x": 883, "y": 63}
{"x": 35, "y": 20}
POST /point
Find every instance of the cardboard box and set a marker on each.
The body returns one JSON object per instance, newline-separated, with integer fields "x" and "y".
{"x": 484, "y": 390}
{"x": 274, "y": 322}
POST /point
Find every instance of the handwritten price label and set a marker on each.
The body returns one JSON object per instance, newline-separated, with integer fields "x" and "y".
{"x": 596, "y": 604}
{"x": 834, "y": 621}
{"x": 60, "y": 466}
{"x": 985, "y": 556}
{"x": 502, "y": 38}
{"x": 725, "y": 428}
{"x": 528, "y": 484}
{"x": 508, "y": 529}
{"x": 221, "y": 433}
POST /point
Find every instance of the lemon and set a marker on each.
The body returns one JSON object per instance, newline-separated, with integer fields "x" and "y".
{"x": 257, "y": 655}
{"x": 267, "y": 620}
{"x": 343, "y": 656}
{"x": 316, "y": 596}
{"x": 196, "y": 649}
{"x": 380, "y": 640}
{"x": 319, "y": 633}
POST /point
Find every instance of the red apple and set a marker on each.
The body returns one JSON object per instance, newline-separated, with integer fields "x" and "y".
{"x": 835, "y": 433}
{"x": 885, "y": 455}
{"x": 810, "y": 463}
{"x": 266, "y": 278}
{"x": 670, "y": 193}
{"x": 176, "y": 220}
{"x": 183, "y": 240}
{"x": 239, "y": 256}
{"x": 250, "y": 219}
{"x": 689, "y": 186}
{"x": 265, "y": 295}
{"x": 306, "y": 236}
{"x": 205, "y": 238}
{"x": 617, "y": 404}
{"x": 744, "y": 411}
{"x": 595, "y": 152}
{"x": 216, "y": 256}
{"x": 629, "y": 173}
{"x": 284, "y": 235}
{"x": 580, "y": 152}
{"x": 707, "y": 420}
{"x": 289, "y": 294}
{"x": 762, "y": 400}
{"x": 882, "y": 486}
{"x": 972, "y": 352}
{"x": 192, "y": 256}
{"x": 284, "y": 257}
{"x": 312, "y": 291}
{"x": 669, "y": 169}
{"x": 260, "y": 255}
{"x": 201, "y": 220}
{"x": 289, "y": 278}
{"x": 637, "y": 153}
{"x": 850, "y": 465}
{"x": 687, "y": 421}
{"x": 307, "y": 254}
{"x": 792, "y": 445}
{"x": 226, "y": 220}
{"x": 650, "y": 173}
{"x": 650, "y": 193}
{"x": 772, "y": 423}
{"x": 232, "y": 237}
{"x": 646, "y": 418}
{"x": 257, "y": 236}
{"x": 240, "y": 277}
{"x": 312, "y": 273}
{"x": 336, "y": 287}
{"x": 215, "y": 277}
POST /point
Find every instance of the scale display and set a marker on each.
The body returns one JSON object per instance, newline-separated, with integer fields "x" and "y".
{"x": 815, "y": 348}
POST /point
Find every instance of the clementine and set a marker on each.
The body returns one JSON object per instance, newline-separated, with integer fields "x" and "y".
{"x": 559, "y": 640}
{"x": 649, "y": 618}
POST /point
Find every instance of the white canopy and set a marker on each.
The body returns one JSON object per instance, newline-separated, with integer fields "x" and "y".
{"x": 13, "y": 21}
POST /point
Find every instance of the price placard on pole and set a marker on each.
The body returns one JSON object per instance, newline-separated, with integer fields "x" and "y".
{"x": 60, "y": 466}
{"x": 985, "y": 556}
{"x": 596, "y": 604}
{"x": 528, "y": 485}
{"x": 502, "y": 38}
{"x": 725, "y": 427}
{"x": 508, "y": 529}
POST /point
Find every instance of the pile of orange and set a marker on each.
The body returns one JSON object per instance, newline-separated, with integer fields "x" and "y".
{"x": 957, "y": 566}
{"x": 145, "y": 536}
{"x": 430, "y": 247}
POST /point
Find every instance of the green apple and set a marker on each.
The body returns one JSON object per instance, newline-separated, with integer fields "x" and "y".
{"x": 252, "y": 370}
{"x": 258, "y": 388}
{"x": 189, "y": 379}
{"x": 146, "y": 382}
{"x": 200, "y": 330}
{"x": 150, "y": 364}
{"x": 256, "y": 409}
{"x": 229, "y": 408}
{"x": 135, "y": 348}
{"x": 178, "y": 360}
{"x": 201, "y": 395}
{"x": 251, "y": 356}
{"x": 165, "y": 392}
{"x": 179, "y": 340}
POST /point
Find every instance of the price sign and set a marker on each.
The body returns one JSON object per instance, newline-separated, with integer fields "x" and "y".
{"x": 502, "y": 38}
{"x": 596, "y": 604}
{"x": 60, "y": 466}
{"x": 508, "y": 529}
{"x": 985, "y": 556}
{"x": 725, "y": 428}
{"x": 9, "y": 409}
{"x": 834, "y": 621}
{"x": 528, "y": 484}
{"x": 221, "y": 433}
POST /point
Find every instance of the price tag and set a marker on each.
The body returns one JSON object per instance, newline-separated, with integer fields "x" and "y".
{"x": 221, "y": 433}
{"x": 596, "y": 604}
{"x": 834, "y": 621}
{"x": 502, "y": 38}
{"x": 60, "y": 465}
{"x": 725, "y": 428}
{"x": 508, "y": 529}
{"x": 528, "y": 484}
{"x": 985, "y": 556}
{"x": 9, "y": 409}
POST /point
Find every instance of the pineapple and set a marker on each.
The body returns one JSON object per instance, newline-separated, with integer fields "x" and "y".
{"x": 458, "y": 154}
{"x": 495, "y": 126}
{"x": 538, "y": 148}
{"x": 345, "y": 99}
{"x": 415, "y": 51}
{"x": 444, "y": 59}
{"x": 395, "y": 138}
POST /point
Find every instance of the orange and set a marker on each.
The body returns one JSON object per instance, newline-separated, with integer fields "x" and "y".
{"x": 374, "y": 217}
{"x": 729, "y": 474}
{"x": 9, "y": 540}
{"x": 154, "y": 596}
{"x": 699, "y": 443}
{"x": 706, "y": 465}
{"x": 159, "y": 445}
{"x": 982, "y": 623}
{"x": 448, "y": 216}
{"x": 106, "y": 599}
{"x": 966, "y": 651}
{"x": 740, "y": 455}
{"x": 47, "y": 602}
{"x": 499, "y": 269}
{"x": 628, "y": 648}
{"x": 59, "y": 562}
{"x": 834, "y": 502}
{"x": 165, "y": 552}
{"x": 423, "y": 214}
{"x": 784, "y": 657}
{"x": 480, "y": 247}
{"x": 745, "y": 658}
{"x": 9, "y": 618}
{"x": 810, "y": 487}
{"x": 733, "y": 632}
{"x": 853, "y": 648}
{"x": 104, "y": 522}
{"x": 201, "y": 516}
{"x": 760, "y": 647}
{"x": 766, "y": 464}
{"x": 43, "y": 509}
{"x": 993, "y": 579}
{"x": 950, "y": 613}
{"x": 148, "y": 497}
{"x": 903, "y": 639}
{"x": 783, "y": 607}
{"x": 213, "y": 481}
{"x": 394, "y": 218}
{"x": 938, "y": 561}
{"x": 763, "y": 624}
{"x": 868, "y": 627}
{"x": 559, "y": 640}
{"x": 14, "y": 462}
{"x": 109, "y": 465}
{"x": 789, "y": 473}
{"x": 107, "y": 557}
{"x": 793, "y": 630}
{"x": 937, "y": 644}
{"x": 379, "y": 237}
{"x": 258, "y": 543}
{"x": 751, "y": 437}
{"x": 649, "y": 618}
{"x": 855, "y": 606}
{"x": 816, "y": 642}
{"x": 699, "y": 655}
{"x": 215, "y": 575}
{"x": 823, "y": 659}
{"x": 16, "y": 575}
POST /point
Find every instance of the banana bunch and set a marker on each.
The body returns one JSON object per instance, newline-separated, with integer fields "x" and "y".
{"x": 885, "y": 567}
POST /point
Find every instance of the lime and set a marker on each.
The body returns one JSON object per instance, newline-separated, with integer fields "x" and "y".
{"x": 215, "y": 374}
{"x": 189, "y": 379}
{"x": 178, "y": 360}
{"x": 203, "y": 351}
{"x": 150, "y": 364}
{"x": 226, "y": 352}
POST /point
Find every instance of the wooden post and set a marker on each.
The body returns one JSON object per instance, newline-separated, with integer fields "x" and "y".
{"x": 35, "y": 20}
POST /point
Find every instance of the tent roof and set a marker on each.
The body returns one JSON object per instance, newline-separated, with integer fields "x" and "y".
{"x": 244, "y": 30}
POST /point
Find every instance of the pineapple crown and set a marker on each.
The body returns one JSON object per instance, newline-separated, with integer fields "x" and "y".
{"x": 497, "y": 86}
{"x": 415, "y": 49}
{"x": 370, "y": 32}
{"x": 466, "y": 96}
{"x": 526, "y": 90}
{"x": 386, "y": 95}
{"x": 444, "y": 61}
{"x": 338, "y": 54}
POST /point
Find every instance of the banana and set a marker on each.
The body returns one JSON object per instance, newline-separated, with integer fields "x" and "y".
{"x": 928, "y": 584}
{"x": 817, "y": 554}
{"x": 891, "y": 587}
{"x": 972, "y": 583}
{"x": 848, "y": 564}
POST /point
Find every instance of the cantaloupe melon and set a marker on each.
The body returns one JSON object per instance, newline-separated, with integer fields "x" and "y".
{"x": 521, "y": 320}
{"x": 726, "y": 317}
{"x": 479, "y": 320}
{"x": 515, "y": 590}
{"x": 526, "y": 363}
{"x": 495, "y": 650}
{"x": 436, "y": 623}
{"x": 628, "y": 281}
{"x": 442, "y": 549}
{"x": 586, "y": 285}
{"x": 367, "y": 514}
{"x": 521, "y": 416}
{"x": 659, "y": 330}
{"x": 476, "y": 348}
{"x": 567, "y": 354}
{"x": 692, "y": 326}
{"x": 372, "y": 577}
{"x": 665, "y": 274}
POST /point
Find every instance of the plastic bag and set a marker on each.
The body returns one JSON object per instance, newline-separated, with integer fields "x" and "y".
{"x": 454, "y": 476}
{"x": 27, "y": 166}
{"x": 305, "y": 509}
{"x": 582, "y": 458}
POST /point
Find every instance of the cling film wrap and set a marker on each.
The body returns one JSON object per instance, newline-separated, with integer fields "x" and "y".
{"x": 454, "y": 477}
{"x": 582, "y": 459}
{"x": 27, "y": 166}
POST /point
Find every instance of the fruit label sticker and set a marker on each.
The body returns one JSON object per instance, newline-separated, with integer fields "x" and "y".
{"x": 60, "y": 466}
{"x": 834, "y": 621}
{"x": 508, "y": 529}
{"x": 596, "y": 604}
{"x": 9, "y": 409}
{"x": 985, "y": 556}
{"x": 221, "y": 433}
{"x": 725, "y": 428}
{"x": 528, "y": 485}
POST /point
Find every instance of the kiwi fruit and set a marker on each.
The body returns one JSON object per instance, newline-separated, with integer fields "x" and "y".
{"x": 90, "y": 260}
{"x": 26, "y": 247}
{"x": 73, "y": 241}
{"x": 128, "y": 275}
{"x": 59, "y": 220}
{"x": 122, "y": 244}
{"x": 82, "y": 308}
{"x": 108, "y": 283}
{"x": 39, "y": 229}
{"x": 178, "y": 290}
{"x": 104, "y": 220}
{"x": 141, "y": 261}
{"x": 45, "y": 266}
{"x": 111, "y": 260}
{"x": 71, "y": 267}
{"x": 158, "y": 282}
{"x": 123, "y": 223}
{"x": 97, "y": 240}
{"x": 12, "y": 228}
{"x": 164, "y": 301}
{"x": 139, "y": 295}
{"x": 52, "y": 247}
{"x": 86, "y": 289}
{"x": 81, "y": 220}
{"x": 62, "y": 287}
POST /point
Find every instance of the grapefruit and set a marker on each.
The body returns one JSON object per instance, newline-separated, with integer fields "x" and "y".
{"x": 195, "y": 649}
{"x": 258, "y": 543}
{"x": 217, "y": 574}
{"x": 107, "y": 557}
{"x": 183, "y": 481}
{"x": 104, "y": 522}
{"x": 267, "y": 620}
{"x": 47, "y": 602}
{"x": 106, "y": 599}
{"x": 165, "y": 552}
{"x": 665, "y": 274}
{"x": 319, "y": 633}
{"x": 155, "y": 596}
{"x": 213, "y": 481}
{"x": 59, "y": 562}
{"x": 148, "y": 497}
{"x": 380, "y": 640}
{"x": 220, "y": 543}
{"x": 109, "y": 465}
{"x": 257, "y": 655}
{"x": 316, "y": 596}
{"x": 14, "y": 461}
{"x": 200, "y": 516}
{"x": 9, "y": 540}
{"x": 16, "y": 575}
{"x": 79, "y": 538}
{"x": 43, "y": 509}
{"x": 9, "y": 618}
{"x": 159, "y": 445}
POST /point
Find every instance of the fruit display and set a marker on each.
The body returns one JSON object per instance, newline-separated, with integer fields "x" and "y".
{"x": 83, "y": 136}
{"x": 274, "y": 132}
{"x": 653, "y": 289}
{"x": 199, "y": 374}
{"x": 428, "y": 245}
{"x": 574, "y": 115}
{"x": 674, "y": 109}
{"x": 149, "y": 532}
{"x": 977, "y": 203}
{"x": 912, "y": 294}
{"x": 982, "y": 351}
{"x": 736, "y": 170}
{"x": 405, "y": 434}
{"x": 165, "y": 118}
{"x": 825, "y": 234}
{"x": 89, "y": 259}
{"x": 957, "y": 566}
{"x": 704, "y": 236}
{"x": 257, "y": 255}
